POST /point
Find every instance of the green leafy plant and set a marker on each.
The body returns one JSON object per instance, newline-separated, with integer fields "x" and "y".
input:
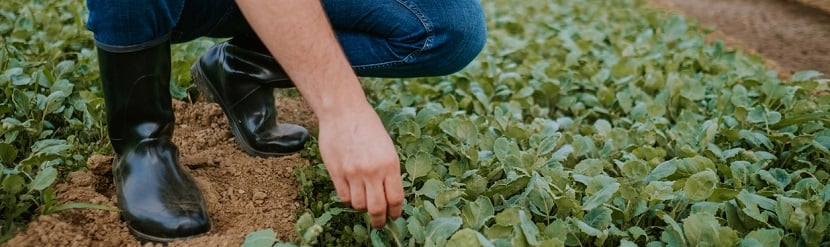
{"x": 51, "y": 110}
{"x": 596, "y": 123}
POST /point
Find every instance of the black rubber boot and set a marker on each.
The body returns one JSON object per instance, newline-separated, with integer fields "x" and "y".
{"x": 240, "y": 75}
{"x": 158, "y": 199}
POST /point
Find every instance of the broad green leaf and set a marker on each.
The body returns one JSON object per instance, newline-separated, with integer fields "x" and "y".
{"x": 442, "y": 228}
{"x": 590, "y": 167}
{"x": 476, "y": 213}
{"x": 659, "y": 191}
{"x": 508, "y": 217}
{"x": 419, "y": 165}
{"x": 635, "y": 169}
{"x": 376, "y": 239}
{"x": 626, "y": 243}
{"x": 587, "y": 229}
{"x": 548, "y": 144}
{"x": 805, "y": 75}
{"x": 466, "y": 237}
{"x": 51, "y": 147}
{"x": 504, "y": 148}
{"x": 416, "y": 229}
{"x": 8, "y": 153}
{"x": 599, "y": 218}
{"x": 757, "y": 139}
{"x": 553, "y": 242}
{"x": 763, "y": 237}
{"x": 701, "y": 185}
{"x": 261, "y": 238}
{"x": 13, "y": 184}
{"x": 529, "y": 229}
{"x": 431, "y": 188}
{"x": 601, "y": 196}
{"x": 54, "y": 101}
{"x": 637, "y": 232}
{"x": 540, "y": 195}
{"x": 663, "y": 170}
{"x": 583, "y": 145}
{"x": 702, "y": 229}
{"x": 563, "y": 153}
{"x": 44, "y": 178}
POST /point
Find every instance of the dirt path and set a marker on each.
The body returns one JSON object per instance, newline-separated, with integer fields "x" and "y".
{"x": 792, "y": 35}
{"x": 244, "y": 193}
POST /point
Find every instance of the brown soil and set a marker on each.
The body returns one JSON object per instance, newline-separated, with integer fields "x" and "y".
{"x": 790, "y": 36}
{"x": 823, "y": 5}
{"x": 243, "y": 193}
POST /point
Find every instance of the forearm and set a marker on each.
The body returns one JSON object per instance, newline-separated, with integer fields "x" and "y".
{"x": 300, "y": 37}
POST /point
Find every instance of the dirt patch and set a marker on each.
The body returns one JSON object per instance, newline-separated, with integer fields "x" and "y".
{"x": 792, "y": 36}
{"x": 243, "y": 193}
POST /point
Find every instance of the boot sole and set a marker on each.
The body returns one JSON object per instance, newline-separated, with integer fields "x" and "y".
{"x": 207, "y": 91}
{"x": 148, "y": 238}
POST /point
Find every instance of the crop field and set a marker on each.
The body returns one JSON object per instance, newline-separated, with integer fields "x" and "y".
{"x": 582, "y": 123}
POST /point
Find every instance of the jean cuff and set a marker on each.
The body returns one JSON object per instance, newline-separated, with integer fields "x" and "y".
{"x": 132, "y": 48}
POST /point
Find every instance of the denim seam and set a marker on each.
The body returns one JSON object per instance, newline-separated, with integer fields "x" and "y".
{"x": 427, "y": 43}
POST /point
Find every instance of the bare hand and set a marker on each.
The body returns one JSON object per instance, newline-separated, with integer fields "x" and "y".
{"x": 363, "y": 163}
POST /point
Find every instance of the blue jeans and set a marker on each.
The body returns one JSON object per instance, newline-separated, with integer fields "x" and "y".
{"x": 381, "y": 38}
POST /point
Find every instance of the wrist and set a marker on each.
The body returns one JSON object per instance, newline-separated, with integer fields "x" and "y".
{"x": 337, "y": 105}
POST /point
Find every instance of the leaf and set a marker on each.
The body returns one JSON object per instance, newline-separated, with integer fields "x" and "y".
{"x": 416, "y": 229}
{"x": 635, "y": 169}
{"x": 805, "y": 75}
{"x": 477, "y": 213}
{"x": 13, "y": 184}
{"x": 590, "y": 167}
{"x": 54, "y": 101}
{"x": 702, "y": 229}
{"x": 599, "y": 218}
{"x": 663, "y": 170}
{"x": 701, "y": 185}
{"x": 756, "y": 139}
{"x": 601, "y": 196}
{"x": 504, "y": 148}
{"x": 261, "y": 238}
{"x": 529, "y": 229}
{"x": 419, "y": 165}
{"x": 442, "y": 228}
{"x": 44, "y": 178}
{"x": 8, "y": 153}
{"x": 377, "y": 241}
{"x": 431, "y": 188}
{"x": 563, "y": 153}
{"x": 763, "y": 237}
{"x": 673, "y": 234}
{"x": 587, "y": 229}
{"x": 548, "y": 144}
{"x": 462, "y": 129}
{"x": 583, "y": 145}
{"x": 51, "y": 147}
{"x": 465, "y": 237}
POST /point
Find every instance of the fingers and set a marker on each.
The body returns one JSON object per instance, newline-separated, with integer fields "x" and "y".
{"x": 358, "y": 195}
{"x": 376, "y": 200}
{"x": 394, "y": 195}
{"x": 342, "y": 188}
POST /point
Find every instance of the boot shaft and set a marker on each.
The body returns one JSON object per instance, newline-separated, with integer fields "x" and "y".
{"x": 137, "y": 94}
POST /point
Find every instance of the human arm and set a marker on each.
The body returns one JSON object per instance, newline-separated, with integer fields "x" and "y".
{"x": 357, "y": 150}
